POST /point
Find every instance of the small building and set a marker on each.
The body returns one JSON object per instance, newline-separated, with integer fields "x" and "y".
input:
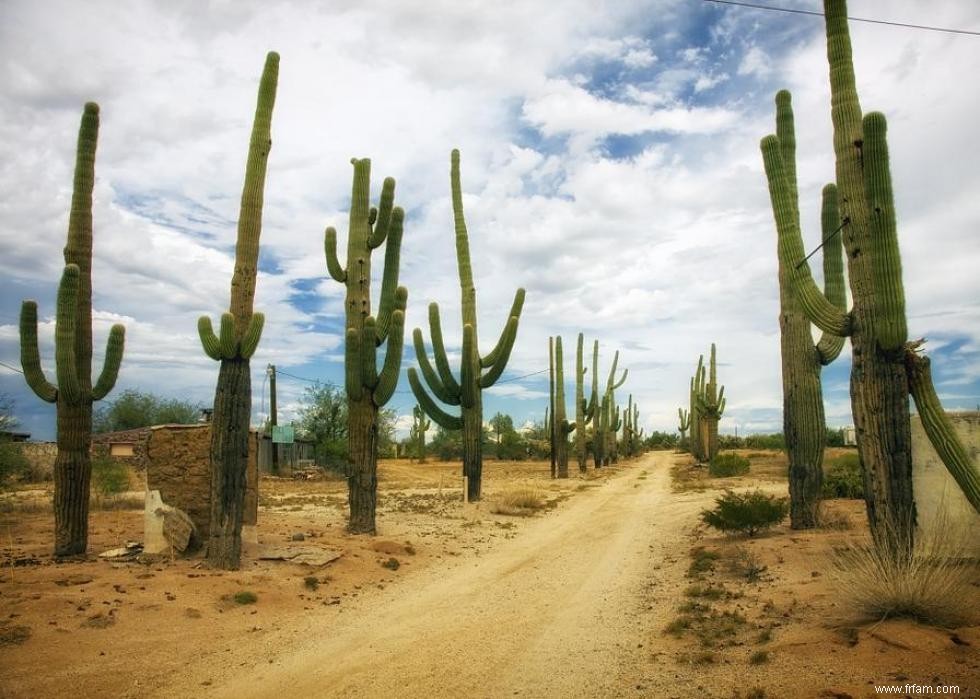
{"x": 850, "y": 436}
{"x": 176, "y": 461}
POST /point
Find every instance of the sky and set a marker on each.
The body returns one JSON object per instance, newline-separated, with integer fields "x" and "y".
{"x": 610, "y": 166}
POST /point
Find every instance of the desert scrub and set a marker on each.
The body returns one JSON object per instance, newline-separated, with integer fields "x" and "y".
{"x": 933, "y": 583}
{"x": 245, "y": 597}
{"x": 843, "y": 479}
{"x": 746, "y": 513}
{"x": 521, "y": 502}
{"x": 729, "y": 464}
{"x": 702, "y": 561}
{"x": 110, "y": 477}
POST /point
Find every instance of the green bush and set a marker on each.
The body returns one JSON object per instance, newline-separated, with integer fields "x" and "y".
{"x": 109, "y": 476}
{"x": 747, "y": 513}
{"x": 728, "y": 464}
{"x": 842, "y": 478}
{"x": 13, "y": 463}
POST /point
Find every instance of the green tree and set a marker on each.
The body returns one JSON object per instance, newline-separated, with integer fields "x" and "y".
{"x": 501, "y": 425}
{"x": 7, "y": 419}
{"x": 323, "y": 418}
{"x": 134, "y": 408}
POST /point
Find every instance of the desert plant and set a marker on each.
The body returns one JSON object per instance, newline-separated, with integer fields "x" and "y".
{"x": 560, "y": 425}
{"x": 746, "y": 513}
{"x": 728, "y": 464}
{"x": 74, "y": 392}
{"x": 367, "y": 388}
{"x": 417, "y": 434}
{"x": 803, "y": 411}
{"x": 709, "y": 406}
{"x": 237, "y": 340}
{"x": 518, "y": 501}
{"x": 109, "y": 476}
{"x": 885, "y": 368}
{"x": 477, "y": 372}
{"x": 584, "y": 409}
{"x": 842, "y": 478}
{"x": 683, "y": 422}
{"x": 13, "y": 463}
{"x": 934, "y": 584}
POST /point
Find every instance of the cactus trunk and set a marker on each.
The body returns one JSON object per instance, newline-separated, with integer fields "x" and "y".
{"x": 562, "y": 427}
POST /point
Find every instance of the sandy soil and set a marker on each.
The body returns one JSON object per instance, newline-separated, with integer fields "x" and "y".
{"x": 582, "y": 599}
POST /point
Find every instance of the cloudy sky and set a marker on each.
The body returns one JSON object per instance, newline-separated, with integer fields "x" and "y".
{"x": 610, "y": 166}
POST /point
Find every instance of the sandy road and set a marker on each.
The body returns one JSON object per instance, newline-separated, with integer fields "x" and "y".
{"x": 559, "y": 610}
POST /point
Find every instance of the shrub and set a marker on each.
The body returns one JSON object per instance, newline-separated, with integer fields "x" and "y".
{"x": 13, "y": 463}
{"x": 748, "y": 513}
{"x": 520, "y": 502}
{"x": 728, "y": 464}
{"x": 245, "y": 597}
{"x": 843, "y": 478}
{"x": 109, "y": 476}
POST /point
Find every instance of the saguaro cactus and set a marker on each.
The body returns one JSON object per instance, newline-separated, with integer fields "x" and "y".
{"x": 476, "y": 372}
{"x": 367, "y": 388}
{"x": 804, "y": 424}
{"x": 584, "y": 409}
{"x": 561, "y": 426}
{"x": 235, "y": 344}
{"x": 882, "y": 360}
{"x": 417, "y": 434}
{"x": 697, "y": 381}
{"x": 683, "y": 421}
{"x": 710, "y": 406}
{"x": 604, "y": 439}
{"x": 73, "y": 392}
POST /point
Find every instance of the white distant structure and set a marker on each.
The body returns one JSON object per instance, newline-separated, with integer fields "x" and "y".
{"x": 850, "y": 436}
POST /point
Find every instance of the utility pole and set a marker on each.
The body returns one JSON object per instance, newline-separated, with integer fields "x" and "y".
{"x": 270, "y": 371}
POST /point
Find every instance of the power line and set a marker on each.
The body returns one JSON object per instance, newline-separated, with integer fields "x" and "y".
{"x": 853, "y": 19}
{"x": 524, "y": 376}
{"x": 12, "y": 368}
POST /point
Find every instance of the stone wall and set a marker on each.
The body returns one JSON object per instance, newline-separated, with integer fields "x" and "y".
{"x": 177, "y": 465}
{"x": 938, "y": 499}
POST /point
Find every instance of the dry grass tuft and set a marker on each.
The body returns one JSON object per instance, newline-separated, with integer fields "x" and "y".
{"x": 933, "y": 584}
{"x": 520, "y": 502}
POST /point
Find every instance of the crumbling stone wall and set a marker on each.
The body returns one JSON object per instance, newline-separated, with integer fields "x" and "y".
{"x": 178, "y": 466}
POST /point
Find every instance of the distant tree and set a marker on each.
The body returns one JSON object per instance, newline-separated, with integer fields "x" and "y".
{"x": 661, "y": 440}
{"x": 447, "y": 444}
{"x": 7, "y": 419}
{"x": 323, "y": 419}
{"x": 835, "y": 437}
{"x": 13, "y": 463}
{"x": 502, "y": 425}
{"x": 536, "y": 441}
{"x": 134, "y": 408}
{"x": 386, "y": 431}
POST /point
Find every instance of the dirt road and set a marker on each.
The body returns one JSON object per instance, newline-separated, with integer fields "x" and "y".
{"x": 564, "y": 609}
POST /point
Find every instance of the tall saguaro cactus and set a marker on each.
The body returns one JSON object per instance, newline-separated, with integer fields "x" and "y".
{"x": 683, "y": 421}
{"x": 604, "y": 440}
{"x": 417, "y": 434}
{"x": 584, "y": 409}
{"x": 710, "y": 408}
{"x": 367, "y": 388}
{"x": 73, "y": 392}
{"x": 885, "y": 367}
{"x": 804, "y": 424}
{"x": 697, "y": 381}
{"x": 561, "y": 427}
{"x": 477, "y": 371}
{"x": 235, "y": 344}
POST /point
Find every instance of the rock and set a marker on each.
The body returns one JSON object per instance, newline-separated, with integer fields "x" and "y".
{"x": 179, "y": 530}
{"x": 75, "y": 579}
{"x": 299, "y": 536}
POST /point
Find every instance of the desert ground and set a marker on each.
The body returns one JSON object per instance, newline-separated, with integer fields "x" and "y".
{"x": 611, "y": 587}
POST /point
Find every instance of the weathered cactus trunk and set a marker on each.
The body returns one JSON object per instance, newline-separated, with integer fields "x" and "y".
{"x": 583, "y": 409}
{"x": 562, "y": 428}
{"x": 240, "y": 331}
{"x": 73, "y": 393}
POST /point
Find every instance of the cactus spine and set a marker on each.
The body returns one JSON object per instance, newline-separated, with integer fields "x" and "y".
{"x": 803, "y": 409}
{"x": 367, "y": 388}
{"x": 467, "y": 392}
{"x": 881, "y": 379}
{"x": 238, "y": 337}
{"x": 584, "y": 409}
{"x": 417, "y": 434}
{"x": 73, "y": 393}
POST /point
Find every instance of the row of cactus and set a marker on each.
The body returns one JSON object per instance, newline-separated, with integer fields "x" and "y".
{"x": 73, "y": 392}
{"x": 477, "y": 372}
{"x": 632, "y": 432}
{"x": 416, "y": 435}
{"x": 707, "y": 405}
{"x": 886, "y": 368}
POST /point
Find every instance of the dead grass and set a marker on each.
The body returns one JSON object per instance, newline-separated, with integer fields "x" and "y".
{"x": 934, "y": 584}
{"x": 520, "y": 502}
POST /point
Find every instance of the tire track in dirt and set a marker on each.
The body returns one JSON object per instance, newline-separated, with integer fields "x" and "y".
{"x": 561, "y": 610}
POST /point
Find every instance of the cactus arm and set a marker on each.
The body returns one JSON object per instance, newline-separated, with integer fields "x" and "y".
{"x": 330, "y": 251}
{"x": 468, "y": 367}
{"x": 352, "y": 365}
{"x": 683, "y": 420}
{"x": 821, "y": 312}
{"x": 226, "y": 336}
{"x": 431, "y": 378}
{"x": 515, "y": 312}
{"x": 113, "y": 358}
{"x": 890, "y": 321}
{"x": 388, "y": 378}
{"x": 253, "y": 333}
{"x": 369, "y": 354}
{"x": 209, "y": 341}
{"x": 462, "y": 243}
{"x": 568, "y": 427}
{"x": 66, "y": 367}
{"x": 939, "y": 430}
{"x": 30, "y": 356}
{"x": 829, "y": 347}
{"x": 381, "y": 218}
{"x": 389, "y": 280}
{"x": 442, "y": 418}
{"x": 439, "y": 352}
{"x": 621, "y": 381}
{"x": 507, "y": 341}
